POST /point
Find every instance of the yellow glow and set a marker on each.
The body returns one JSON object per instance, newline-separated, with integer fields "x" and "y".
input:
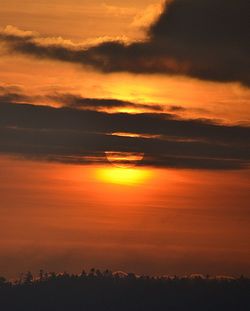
{"x": 122, "y": 176}
{"x": 128, "y": 110}
{"x": 121, "y": 134}
{"x": 139, "y": 92}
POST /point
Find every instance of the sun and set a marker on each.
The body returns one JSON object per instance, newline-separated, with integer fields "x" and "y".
{"x": 124, "y": 170}
{"x": 124, "y": 159}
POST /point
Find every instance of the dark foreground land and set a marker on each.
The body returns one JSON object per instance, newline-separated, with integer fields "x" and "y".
{"x": 104, "y": 291}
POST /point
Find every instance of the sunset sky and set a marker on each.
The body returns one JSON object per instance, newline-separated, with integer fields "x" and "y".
{"x": 125, "y": 132}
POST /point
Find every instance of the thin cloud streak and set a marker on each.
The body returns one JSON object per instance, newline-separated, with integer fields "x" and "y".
{"x": 77, "y": 101}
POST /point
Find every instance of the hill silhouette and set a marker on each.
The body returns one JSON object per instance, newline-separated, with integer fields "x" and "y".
{"x": 121, "y": 291}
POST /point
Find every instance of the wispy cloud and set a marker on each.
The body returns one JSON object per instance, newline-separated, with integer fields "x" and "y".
{"x": 79, "y": 102}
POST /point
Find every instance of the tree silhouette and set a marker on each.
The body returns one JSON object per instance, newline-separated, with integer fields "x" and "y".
{"x": 121, "y": 291}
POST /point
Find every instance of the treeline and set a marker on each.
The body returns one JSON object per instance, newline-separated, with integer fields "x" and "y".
{"x": 103, "y": 290}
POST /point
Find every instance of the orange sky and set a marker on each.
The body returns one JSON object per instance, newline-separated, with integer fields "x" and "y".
{"x": 81, "y": 21}
{"x": 146, "y": 219}
{"x": 170, "y": 222}
{"x": 91, "y": 19}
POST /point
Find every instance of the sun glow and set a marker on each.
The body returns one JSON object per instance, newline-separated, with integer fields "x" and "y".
{"x": 122, "y": 176}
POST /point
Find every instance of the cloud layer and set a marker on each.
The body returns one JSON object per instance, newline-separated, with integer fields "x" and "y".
{"x": 206, "y": 39}
{"x": 76, "y": 135}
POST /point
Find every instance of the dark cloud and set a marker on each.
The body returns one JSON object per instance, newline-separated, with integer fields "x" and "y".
{"x": 12, "y": 98}
{"x": 206, "y": 39}
{"x": 79, "y": 136}
{"x": 77, "y": 101}
{"x": 177, "y": 108}
{"x": 11, "y": 94}
{"x": 38, "y": 117}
